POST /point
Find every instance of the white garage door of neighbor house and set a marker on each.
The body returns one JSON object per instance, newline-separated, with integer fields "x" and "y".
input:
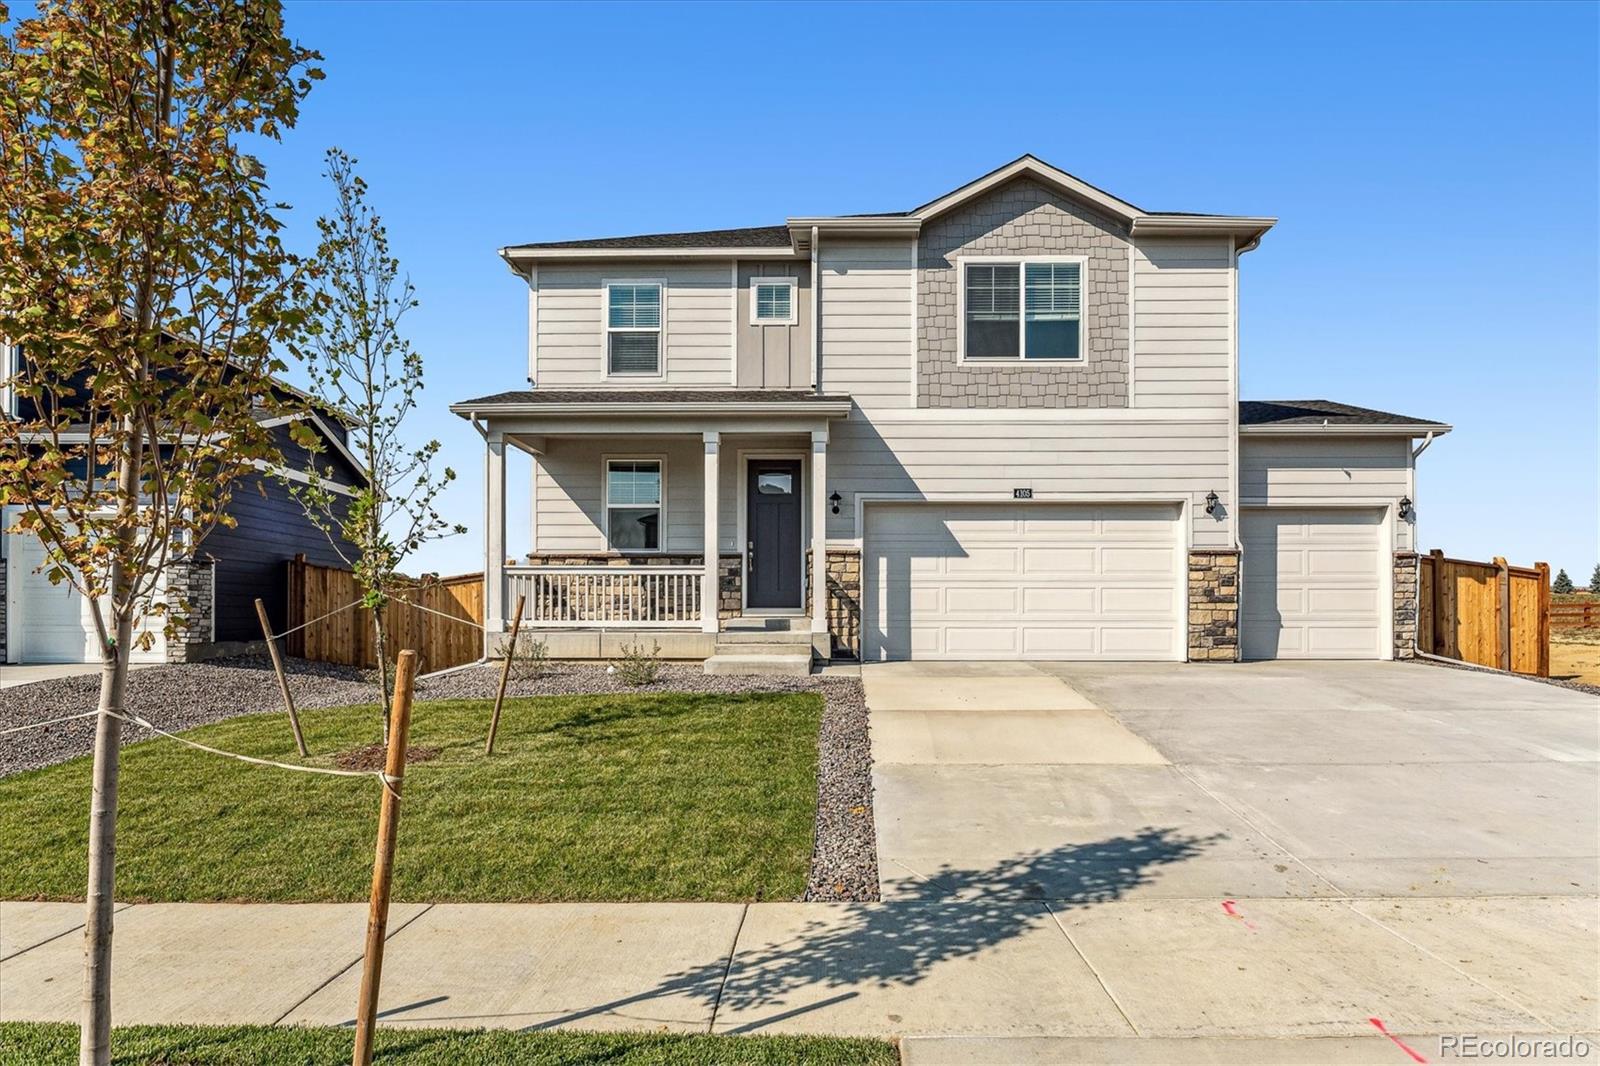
{"x": 1312, "y": 584}
{"x": 1022, "y": 581}
{"x": 52, "y": 623}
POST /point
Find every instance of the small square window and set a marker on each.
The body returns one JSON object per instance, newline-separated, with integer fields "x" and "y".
{"x": 772, "y": 301}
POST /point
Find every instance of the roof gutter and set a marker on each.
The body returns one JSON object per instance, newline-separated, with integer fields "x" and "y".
{"x": 1302, "y": 429}
{"x": 833, "y": 409}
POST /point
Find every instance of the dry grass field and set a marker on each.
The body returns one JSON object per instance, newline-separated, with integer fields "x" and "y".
{"x": 1574, "y": 652}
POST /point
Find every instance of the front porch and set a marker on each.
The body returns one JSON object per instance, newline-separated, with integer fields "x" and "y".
{"x": 697, "y": 523}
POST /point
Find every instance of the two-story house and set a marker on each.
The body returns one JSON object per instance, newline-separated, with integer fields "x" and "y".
{"x": 1002, "y": 425}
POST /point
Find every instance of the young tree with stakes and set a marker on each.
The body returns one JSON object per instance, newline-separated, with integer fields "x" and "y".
{"x": 142, "y": 278}
{"x": 359, "y": 362}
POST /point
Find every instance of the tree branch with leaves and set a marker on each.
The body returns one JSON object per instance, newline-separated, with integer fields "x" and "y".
{"x": 360, "y": 362}
{"x": 143, "y": 279}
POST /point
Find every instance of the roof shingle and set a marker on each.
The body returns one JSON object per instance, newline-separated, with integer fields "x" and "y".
{"x": 1317, "y": 412}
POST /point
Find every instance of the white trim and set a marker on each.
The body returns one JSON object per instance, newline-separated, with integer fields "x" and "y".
{"x": 1390, "y": 429}
{"x": 1233, "y": 395}
{"x": 793, "y": 284}
{"x": 1037, "y": 168}
{"x": 612, "y": 406}
{"x": 1054, "y": 415}
{"x": 606, "y": 459}
{"x": 9, "y": 367}
{"x": 916, "y": 316}
{"x": 741, "y": 465}
{"x": 606, "y": 330}
{"x": 1386, "y": 550}
{"x": 1133, "y": 325}
{"x": 533, "y": 504}
{"x": 302, "y": 477}
{"x": 533, "y": 324}
{"x": 816, "y": 312}
{"x": 733, "y": 323}
{"x": 1022, "y": 263}
{"x": 513, "y": 256}
{"x": 1251, "y": 226}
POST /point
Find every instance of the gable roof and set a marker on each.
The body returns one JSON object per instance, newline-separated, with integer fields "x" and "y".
{"x": 794, "y": 238}
{"x": 1296, "y": 416}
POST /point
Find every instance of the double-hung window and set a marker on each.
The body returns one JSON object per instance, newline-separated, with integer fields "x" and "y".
{"x": 1027, "y": 309}
{"x": 633, "y": 327}
{"x": 633, "y": 505}
{"x": 772, "y": 301}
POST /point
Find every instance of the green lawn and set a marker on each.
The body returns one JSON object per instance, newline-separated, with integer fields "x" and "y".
{"x": 249, "y": 1046}
{"x": 636, "y": 797}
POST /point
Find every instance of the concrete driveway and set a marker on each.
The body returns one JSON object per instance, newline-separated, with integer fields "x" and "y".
{"x": 1262, "y": 850}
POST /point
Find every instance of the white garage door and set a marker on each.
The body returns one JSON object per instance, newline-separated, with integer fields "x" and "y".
{"x": 1022, "y": 581}
{"x": 1312, "y": 584}
{"x": 52, "y": 623}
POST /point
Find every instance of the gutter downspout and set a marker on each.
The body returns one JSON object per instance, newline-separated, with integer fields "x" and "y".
{"x": 816, "y": 313}
{"x": 1416, "y": 550}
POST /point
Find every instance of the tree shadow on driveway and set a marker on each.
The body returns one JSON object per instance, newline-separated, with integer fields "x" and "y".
{"x": 840, "y": 948}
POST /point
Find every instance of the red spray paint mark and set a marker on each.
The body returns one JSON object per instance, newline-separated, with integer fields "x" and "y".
{"x": 1377, "y": 1023}
{"x": 1231, "y": 908}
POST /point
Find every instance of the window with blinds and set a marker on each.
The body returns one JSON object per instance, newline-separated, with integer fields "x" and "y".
{"x": 633, "y": 504}
{"x": 633, "y": 327}
{"x": 1030, "y": 309}
{"x": 772, "y": 301}
{"x": 1054, "y": 297}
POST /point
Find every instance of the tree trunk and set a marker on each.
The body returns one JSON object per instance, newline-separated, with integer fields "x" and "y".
{"x": 94, "y": 1041}
{"x": 383, "y": 670}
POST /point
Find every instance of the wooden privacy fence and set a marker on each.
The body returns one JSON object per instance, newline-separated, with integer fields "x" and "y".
{"x": 1491, "y": 614}
{"x": 440, "y": 617}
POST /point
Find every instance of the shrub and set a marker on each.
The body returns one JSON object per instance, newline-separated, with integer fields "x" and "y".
{"x": 1594, "y": 582}
{"x": 1562, "y": 583}
{"x": 638, "y": 667}
{"x": 533, "y": 662}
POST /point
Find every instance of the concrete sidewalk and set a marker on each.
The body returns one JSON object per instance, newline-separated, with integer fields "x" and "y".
{"x": 1220, "y": 982}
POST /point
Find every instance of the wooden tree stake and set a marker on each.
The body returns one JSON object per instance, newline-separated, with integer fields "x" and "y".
{"x": 383, "y": 864}
{"x": 505, "y": 675}
{"x": 283, "y": 681}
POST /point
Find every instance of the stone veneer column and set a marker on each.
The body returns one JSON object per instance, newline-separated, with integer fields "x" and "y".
{"x": 191, "y": 599}
{"x": 844, "y": 600}
{"x": 1405, "y": 605}
{"x": 1213, "y": 606}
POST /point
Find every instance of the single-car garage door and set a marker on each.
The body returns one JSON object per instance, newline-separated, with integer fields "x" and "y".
{"x": 1022, "y": 581}
{"x": 52, "y": 623}
{"x": 1313, "y": 584}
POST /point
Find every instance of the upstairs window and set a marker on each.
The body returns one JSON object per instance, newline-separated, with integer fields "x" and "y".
{"x": 633, "y": 327}
{"x": 633, "y": 505}
{"x": 1029, "y": 309}
{"x": 772, "y": 301}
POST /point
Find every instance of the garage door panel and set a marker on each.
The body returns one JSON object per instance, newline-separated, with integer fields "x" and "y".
{"x": 1057, "y": 562}
{"x": 1312, "y": 584}
{"x": 1045, "y": 581}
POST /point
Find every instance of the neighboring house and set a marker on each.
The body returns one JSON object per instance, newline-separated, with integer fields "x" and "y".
{"x": 1002, "y": 425}
{"x": 220, "y": 578}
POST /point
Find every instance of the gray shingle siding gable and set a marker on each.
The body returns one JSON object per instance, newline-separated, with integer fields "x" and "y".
{"x": 1024, "y": 217}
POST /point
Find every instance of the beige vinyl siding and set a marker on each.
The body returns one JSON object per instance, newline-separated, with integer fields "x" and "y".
{"x": 867, "y": 315}
{"x": 697, "y": 336}
{"x": 1326, "y": 470}
{"x": 945, "y": 458}
{"x": 1182, "y": 322}
{"x": 775, "y": 356}
{"x": 569, "y": 491}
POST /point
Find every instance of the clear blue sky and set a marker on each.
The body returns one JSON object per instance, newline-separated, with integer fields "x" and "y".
{"x": 1434, "y": 167}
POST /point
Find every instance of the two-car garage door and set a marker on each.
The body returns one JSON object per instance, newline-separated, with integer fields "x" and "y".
{"x": 1023, "y": 581}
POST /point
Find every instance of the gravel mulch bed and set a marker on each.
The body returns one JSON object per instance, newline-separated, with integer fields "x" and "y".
{"x": 1576, "y": 686}
{"x": 844, "y": 864}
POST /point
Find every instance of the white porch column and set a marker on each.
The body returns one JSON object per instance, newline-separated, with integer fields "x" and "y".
{"x": 819, "y": 530}
{"x": 709, "y": 593}
{"x": 494, "y": 540}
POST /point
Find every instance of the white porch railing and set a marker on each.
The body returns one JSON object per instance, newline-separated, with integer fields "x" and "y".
{"x": 613, "y": 596}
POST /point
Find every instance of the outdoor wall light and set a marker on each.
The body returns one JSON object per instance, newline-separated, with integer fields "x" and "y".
{"x": 834, "y": 499}
{"x": 1211, "y": 502}
{"x": 1405, "y": 508}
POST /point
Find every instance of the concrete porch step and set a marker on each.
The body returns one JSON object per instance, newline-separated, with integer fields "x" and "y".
{"x": 781, "y": 623}
{"x": 785, "y": 665}
{"x": 734, "y": 637}
{"x": 735, "y": 651}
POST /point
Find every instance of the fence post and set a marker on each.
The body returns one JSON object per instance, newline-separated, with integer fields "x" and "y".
{"x": 1443, "y": 618}
{"x": 1544, "y": 618}
{"x": 295, "y": 642}
{"x": 283, "y": 681}
{"x": 1502, "y": 613}
{"x": 383, "y": 865}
